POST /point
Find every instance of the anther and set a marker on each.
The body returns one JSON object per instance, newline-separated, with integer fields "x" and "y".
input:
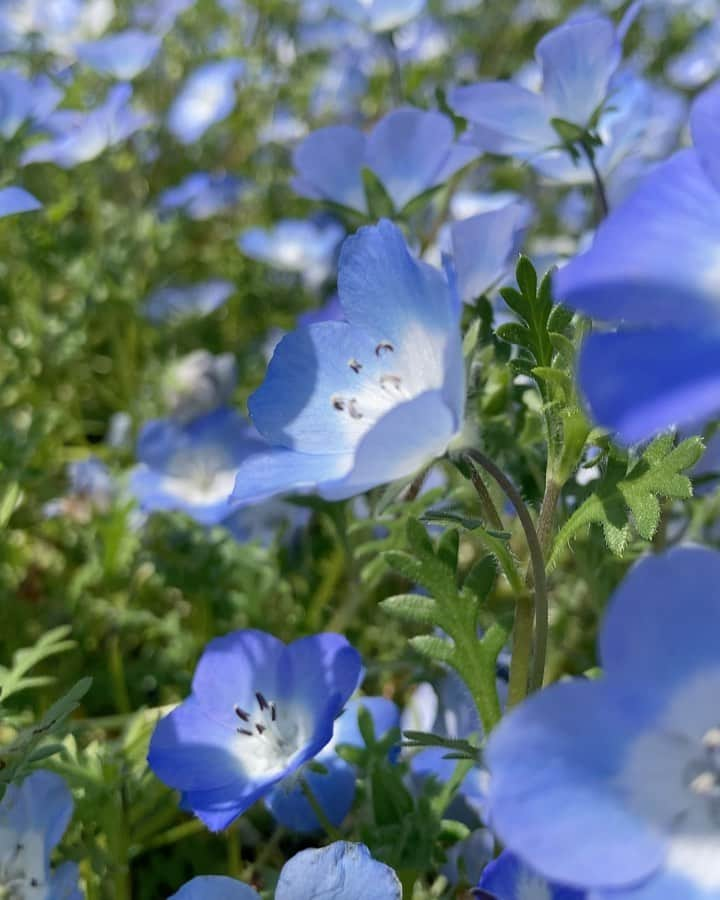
{"x": 355, "y": 366}
{"x": 241, "y": 714}
{"x": 244, "y": 731}
{"x": 394, "y": 381}
{"x": 338, "y": 403}
{"x": 260, "y": 728}
{"x": 262, "y": 702}
{"x": 353, "y": 409}
{"x": 384, "y": 347}
{"x": 273, "y": 712}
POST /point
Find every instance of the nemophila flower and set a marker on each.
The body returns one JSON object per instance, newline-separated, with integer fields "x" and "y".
{"x": 160, "y": 15}
{"x": 294, "y": 245}
{"x": 259, "y": 710}
{"x": 91, "y": 489}
{"x": 333, "y": 788}
{"x": 202, "y": 195}
{"x": 186, "y": 301}
{"x": 191, "y": 467}
{"x": 346, "y": 406}
{"x": 24, "y": 100}
{"x": 409, "y": 150}
{"x": 206, "y": 97}
{"x": 578, "y": 61}
{"x": 699, "y": 62}
{"x": 422, "y": 41}
{"x": 654, "y": 267}
{"x": 379, "y": 15}
{"x": 282, "y": 128}
{"x": 33, "y": 818}
{"x": 339, "y": 88}
{"x": 79, "y": 136}
{"x": 198, "y": 383}
{"x": 15, "y": 200}
{"x": 54, "y": 25}
{"x": 124, "y": 55}
{"x": 508, "y": 878}
{"x": 341, "y": 871}
{"x": 624, "y": 803}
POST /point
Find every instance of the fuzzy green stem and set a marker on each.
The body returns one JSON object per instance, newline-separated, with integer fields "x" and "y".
{"x": 488, "y": 507}
{"x": 521, "y": 650}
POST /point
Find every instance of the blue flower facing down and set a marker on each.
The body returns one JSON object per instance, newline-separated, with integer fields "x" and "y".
{"x": 409, "y": 150}
{"x": 341, "y": 871}
{"x": 507, "y": 878}
{"x": 379, "y": 15}
{"x": 24, "y": 100}
{"x": 123, "y": 55}
{"x": 348, "y": 405}
{"x": 33, "y": 818}
{"x": 334, "y": 789}
{"x": 191, "y": 467}
{"x": 626, "y": 804}
{"x": 79, "y": 136}
{"x": 202, "y": 195}
{"x": 294, "y": 245}
{"x": 654, "y": 266}
{"x": 182, "y": 302}
{"x": 206, "y": 97}
{"x": 259, "y": 710}
{"x": 15, "y": 200}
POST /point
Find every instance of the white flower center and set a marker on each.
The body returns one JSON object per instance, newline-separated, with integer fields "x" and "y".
{"x": 672, "y": 779}
{"x": 269, "y": 737}
{"x": 200, "y": 477}
{"x": 19, "y": 878}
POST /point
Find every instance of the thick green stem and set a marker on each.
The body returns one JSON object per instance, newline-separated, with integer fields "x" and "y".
{"x": 521, "y": 650}
{"x": 546, "y": 518}
{"x": 537, "y": 670}
{"x": 488, "y": 507}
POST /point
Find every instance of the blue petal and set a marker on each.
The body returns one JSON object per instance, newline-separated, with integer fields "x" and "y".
{"x": 333, "y": 790}
{"x": 384, "y": 714}
{"x": 578, "y": 60}
{"x": 319, "y": 670}
{"x": 64, "y": 883}
{"x": 41, "y": 803}
{"x": 407, "y": 149}
{"x": 208, "y": 96}
{"x": 17, "y": 200}
{"x": 215, "y": 887}
{"x": 329, "y": 165}
{"x": 510, "y": 879}
{"x": 506, "y": 118}
{"x": 581, "y": 732}
{"x": 705, "y": 126}
{"x": 379, "y": 15}
{"x": 124, "y": 55}
{"x": 656, "y": 259}
{"x": 484, "y": 247}
{"x": 342, "y": 871}
{"x": 671, "y": 600}
{"x": 282, "y": 471}
{"x": 638, "y": 383}
{"x": 666, "y": 885}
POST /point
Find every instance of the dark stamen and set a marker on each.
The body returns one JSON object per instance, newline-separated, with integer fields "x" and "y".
{"x": 355, "y": 366}
{"x": 244, "y": 731}
{"x": 273, "y": 712}
{"x": 262, "y": 702}
{"x": 259, "y": 728}
{"x": 384, "y": 347}
{"x": 338, "y": 403}
{"x": 353, "y": 410}
{"x": 241, "y": 714}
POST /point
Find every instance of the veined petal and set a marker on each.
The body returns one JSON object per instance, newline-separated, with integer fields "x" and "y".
{"x": 341, "y": 871}
{"x": 329, "y": 162}
{"x": 283, "y": 471}
{"x": 215, "y": 887}
{"x": 334, "y": 790}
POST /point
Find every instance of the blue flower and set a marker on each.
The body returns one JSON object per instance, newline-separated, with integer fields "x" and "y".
{"x": 334, "y": 789}
{"x": 341, "y": 871}
{"x": 91, "y": 489}
{"x": 206, "y": 97}
{"x": 160, "y": 15}
{"x": 199, "y": 383}
{"x": 699, "y": 62}
{"x": 259, "y": 710}
{"x": 56, "y": 26}
{"x": 202, "y": 195}
{"x": 655, "y": 266}
{"x": 409, "y": 150}
{"x": 192, "y": 467}
{"x": 346, "y": 406}
{"x": 379, "y": 15}
{"x": 23, "y": 100}
{"x": 15, "y": 200}
{"x": 182, "y": 302}
{"x": 508, "y": 878}
{"x": 577, "y": 61}
{"x": 124, "y": 55}
{"x": 294, "y": 245}
{"x": 78, "y": 136}
{"x": 612, "y": 785}
{"x": 33, "y": 818}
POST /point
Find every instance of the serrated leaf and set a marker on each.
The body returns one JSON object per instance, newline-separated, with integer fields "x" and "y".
{"x": 448, "y": 549}
{"x": 515, "y": 333}
{"x": 481, "y": 578}
{"x": 418, "y": 539}
{"x": 515, "y": 300}
{"x": 404, "y": 564}
{"x": 411, "y": 608}
{"x": 554, "y": 376}
{"x": 526, "y": 278}
{"x": 657, "y": 474}
{"x": 559, "y": 319}
{"x": 433, "y": 648}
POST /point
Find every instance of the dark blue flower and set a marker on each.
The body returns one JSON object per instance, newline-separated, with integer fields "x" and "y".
{"x": 259, "y": 710}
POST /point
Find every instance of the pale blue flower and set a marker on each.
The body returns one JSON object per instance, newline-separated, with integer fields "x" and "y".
{"x": 123, "y": 55}
{"x": 625, "y": 805}
{"x": 15, "y": 200}
{"x": 507, "y": 878}
{"x": 202, "y": 195}
{"x": 199, "y": 383}
{"x": 409, "y": 150}
{"x": 206, "y": 97}
{"x": 55, "y": 25}
{"x": 379, "y": 15}
{"x": 349, "y": 405}
{"x": 24, "y": 100}
{"x": 181, "y": 302}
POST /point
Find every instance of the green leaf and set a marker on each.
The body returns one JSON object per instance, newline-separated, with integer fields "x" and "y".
{"x": 433, "y": 648}
{"x": 526, "y": 277}
{"x": 412, "y": 608}
{"x": 391, "y": 799}
{"x": 481, "y": 578}
{"x": 448, "y": 549}
{"x": 419, "y": 539}
{"x": 559, "y": 319}
{"x": 632, "y": 498}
